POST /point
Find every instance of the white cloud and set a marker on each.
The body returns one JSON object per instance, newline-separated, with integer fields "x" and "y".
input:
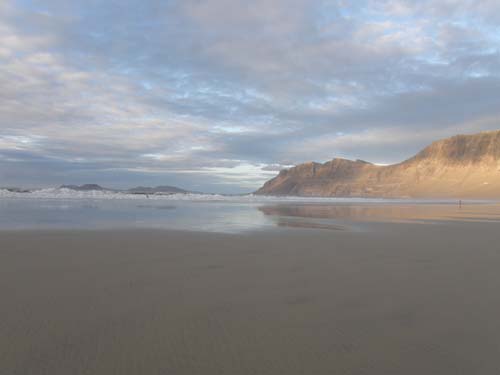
{"x": 232, "y": 89}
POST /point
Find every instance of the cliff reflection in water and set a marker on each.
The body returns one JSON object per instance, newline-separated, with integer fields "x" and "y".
{"x": 386, "y": 212}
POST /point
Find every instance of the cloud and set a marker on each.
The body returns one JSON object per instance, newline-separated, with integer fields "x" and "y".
{"x": 219, "y": 94}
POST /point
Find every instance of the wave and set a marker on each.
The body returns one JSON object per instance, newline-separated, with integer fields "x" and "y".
{"x": 69, "y": 194}
{"x": 63, "y": 193}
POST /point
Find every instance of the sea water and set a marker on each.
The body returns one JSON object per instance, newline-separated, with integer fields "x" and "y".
{"x": 69, "y": 209}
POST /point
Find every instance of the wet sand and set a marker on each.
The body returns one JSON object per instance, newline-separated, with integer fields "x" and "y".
{"x": 396, "y": 299}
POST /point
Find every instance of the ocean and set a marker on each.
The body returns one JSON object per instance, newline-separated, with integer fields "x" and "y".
{"x": 69, "y": 209}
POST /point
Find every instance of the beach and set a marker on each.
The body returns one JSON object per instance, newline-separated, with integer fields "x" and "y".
{"x": 394, "y": 298}
{"x": 234, "y": 187}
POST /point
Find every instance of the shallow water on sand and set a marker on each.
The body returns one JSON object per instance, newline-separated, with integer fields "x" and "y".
{"x": 230, "y": 215}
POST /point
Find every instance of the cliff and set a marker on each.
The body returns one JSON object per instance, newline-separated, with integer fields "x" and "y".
{"x": 465, "y": 166}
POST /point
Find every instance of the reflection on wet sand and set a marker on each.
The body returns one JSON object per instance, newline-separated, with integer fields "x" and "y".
{"x": 291, "y": 223}
{"x": 412, "y": 212}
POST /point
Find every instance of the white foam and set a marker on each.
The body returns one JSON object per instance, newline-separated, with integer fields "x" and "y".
{"x": 68, "y": 194}
{"x": 57, "y": 193}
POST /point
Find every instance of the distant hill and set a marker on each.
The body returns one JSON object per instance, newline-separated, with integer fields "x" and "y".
{"x": 86, "y": 187}
{"x": 15, "y": 190}
{"x": 461, "y": 166}
{"x": 137, "y": 190}
{"x": 158, "y": 189}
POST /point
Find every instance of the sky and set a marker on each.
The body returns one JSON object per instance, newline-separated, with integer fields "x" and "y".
{"x": 218, "y": 95}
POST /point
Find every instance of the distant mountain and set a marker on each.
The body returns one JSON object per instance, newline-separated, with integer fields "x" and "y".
{"x": 86, "y": 187}
{"x": 462, "y": 166}
{"x": 156, "y": 190}
{"x": 136, "y": 190}
{"x": 15, "y": 190}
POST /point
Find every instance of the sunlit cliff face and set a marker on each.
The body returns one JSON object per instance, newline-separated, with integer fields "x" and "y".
{"x": 218, "y": 95}
{"x": 460, "y": 166}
